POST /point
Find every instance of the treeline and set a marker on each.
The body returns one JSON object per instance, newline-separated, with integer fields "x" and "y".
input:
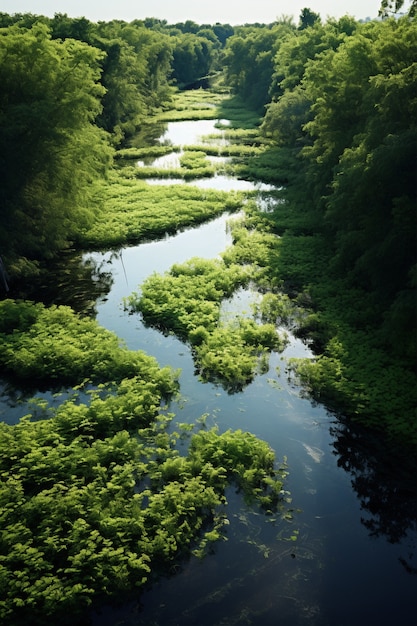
{"x": 340, "y": 104}
{"x": 342, "y": 97}
{"x": 72, "y": 91}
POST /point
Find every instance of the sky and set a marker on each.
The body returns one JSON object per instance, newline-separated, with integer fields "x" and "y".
{"x": 203, "y": 12}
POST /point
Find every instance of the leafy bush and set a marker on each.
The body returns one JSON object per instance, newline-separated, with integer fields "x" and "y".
{"x": 55, "y": 346}
{"x": 88, "y": 511}
{"x": 186, "y": 300}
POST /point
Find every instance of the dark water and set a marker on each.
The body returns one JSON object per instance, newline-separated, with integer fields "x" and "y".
{"x": 354, "y": 562}
{"x": 335, "y": 573}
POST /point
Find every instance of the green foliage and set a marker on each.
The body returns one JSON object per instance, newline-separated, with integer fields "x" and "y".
{"x": 186, "y": 301}
{"x": 53, "y": 154}
{"x": 134, "y": 211}
{"x": 188, "y": 296}
{"x": 253, "y": 245}
{"x": 245, "y": 459}
{"x": 192, "y": 58}
{"x": 232, "y": 352}
{"x": 54, "y": 345}
{"x": 308, "y": 18}
{"x": 89, "y": 510}
{"x": 285, "y": 118}
{"x": 236, "y": 110}
{"x": 345, "y": 94}
{"x": 135, "y": 74}
{"x": 359, "y": 379}
{"x": 249, "y": 61}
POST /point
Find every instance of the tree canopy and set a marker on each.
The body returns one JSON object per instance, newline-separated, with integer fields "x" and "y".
{"x": 51, "y": 149}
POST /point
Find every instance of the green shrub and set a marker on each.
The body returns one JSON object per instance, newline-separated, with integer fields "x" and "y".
{"x": 53, "y": 345}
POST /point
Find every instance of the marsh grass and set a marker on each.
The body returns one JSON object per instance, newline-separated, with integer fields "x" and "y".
{"x": 233, "y": 108}
{"x": 193, "y": 104}
{"x": 232, "y": 150}
{"x": 100, "y": 501}
{"x": 149, "y": 152}
{"x": 135, "y": 211}
{"x": 187, "y": 300}
{"x": 180, "y": 116}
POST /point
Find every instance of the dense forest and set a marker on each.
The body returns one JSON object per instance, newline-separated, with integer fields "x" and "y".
{"x": 335, "y": 110}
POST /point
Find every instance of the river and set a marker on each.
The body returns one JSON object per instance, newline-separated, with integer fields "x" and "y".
{"x": 352, "y": 563}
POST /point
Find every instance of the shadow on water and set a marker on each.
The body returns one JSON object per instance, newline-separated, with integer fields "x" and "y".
{"x": 72, "y": 280}
{"x": 384, "y": 481}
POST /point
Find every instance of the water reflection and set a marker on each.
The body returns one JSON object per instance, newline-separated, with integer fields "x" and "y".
{"x": 72, "y": 280}
{"x": 384, "y": 480}
{"x": 192, "y": 132}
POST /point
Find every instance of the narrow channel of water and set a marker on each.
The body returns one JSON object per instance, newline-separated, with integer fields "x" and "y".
{"x": 336, "y": 573}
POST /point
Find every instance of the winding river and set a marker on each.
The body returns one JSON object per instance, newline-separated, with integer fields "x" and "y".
{"x": 354, "y": 561}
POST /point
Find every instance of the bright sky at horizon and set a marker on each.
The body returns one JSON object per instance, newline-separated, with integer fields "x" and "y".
{"x": 206, "y": 12}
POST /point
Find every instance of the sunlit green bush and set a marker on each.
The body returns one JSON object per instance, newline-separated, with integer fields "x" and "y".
{"x": 42, "y": 345}
{"x": 88, "y": 510}
{"x": 135, "y": 211}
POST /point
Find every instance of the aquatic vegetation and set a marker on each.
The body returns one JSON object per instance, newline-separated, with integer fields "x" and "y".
{"x": 272, "y": 165}
{"x": 254, "y": 246}
{"x": 193, "y": 164}
{"x": 134, "y": 211}
{"x": 149, "y": 152}
{"x": 276, "y": 308}
{"x": 188, "y": 296}
{"x": 53, "y": 346}
{"x": 234, "y": 109}
{"x": 87, "y": 509}
{"x": 355, "y": 377}
{"x": 192, "y": 104}
{"x": 194, "y": 160}
{"x": 232, "y": 150}
{"x": 186, "y": 301}
{"x": 176, "y": 115}
{"x": 233, "y": 351}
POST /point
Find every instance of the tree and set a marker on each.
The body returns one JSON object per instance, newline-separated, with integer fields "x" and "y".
{"x": 51, "y": 152}
{"x": 192, "y": 58}
{"x": 393, "y": 6}
{"x": 308, "y": 18}
{"x": 285, "y": 119}
{"x": 249, "y": 61}
{"x": 361, "y": 166}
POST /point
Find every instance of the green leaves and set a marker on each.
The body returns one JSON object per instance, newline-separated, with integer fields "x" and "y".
{"x": 77, "y": 520}
{"x": 135, "y": 211}
{"x": 187, "y": 301}
{"x": 60, "y": 346}
{"x": 50, "y": 98}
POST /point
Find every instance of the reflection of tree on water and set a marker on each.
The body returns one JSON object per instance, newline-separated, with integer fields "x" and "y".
{"x": 70, "y": 280}
{"x": 384, "y": 479}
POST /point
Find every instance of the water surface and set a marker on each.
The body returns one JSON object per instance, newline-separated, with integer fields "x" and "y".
{"x": 337, "y": 573}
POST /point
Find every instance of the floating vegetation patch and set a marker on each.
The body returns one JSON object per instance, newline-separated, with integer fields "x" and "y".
{"x": 150, "y": 152}
{"x": 187, "y": 301}
{"x": 134, "y": 211}
{"x": 89, "y": 510}
{"x": 53, "y": 345}
{"x": 193, "y": 104}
